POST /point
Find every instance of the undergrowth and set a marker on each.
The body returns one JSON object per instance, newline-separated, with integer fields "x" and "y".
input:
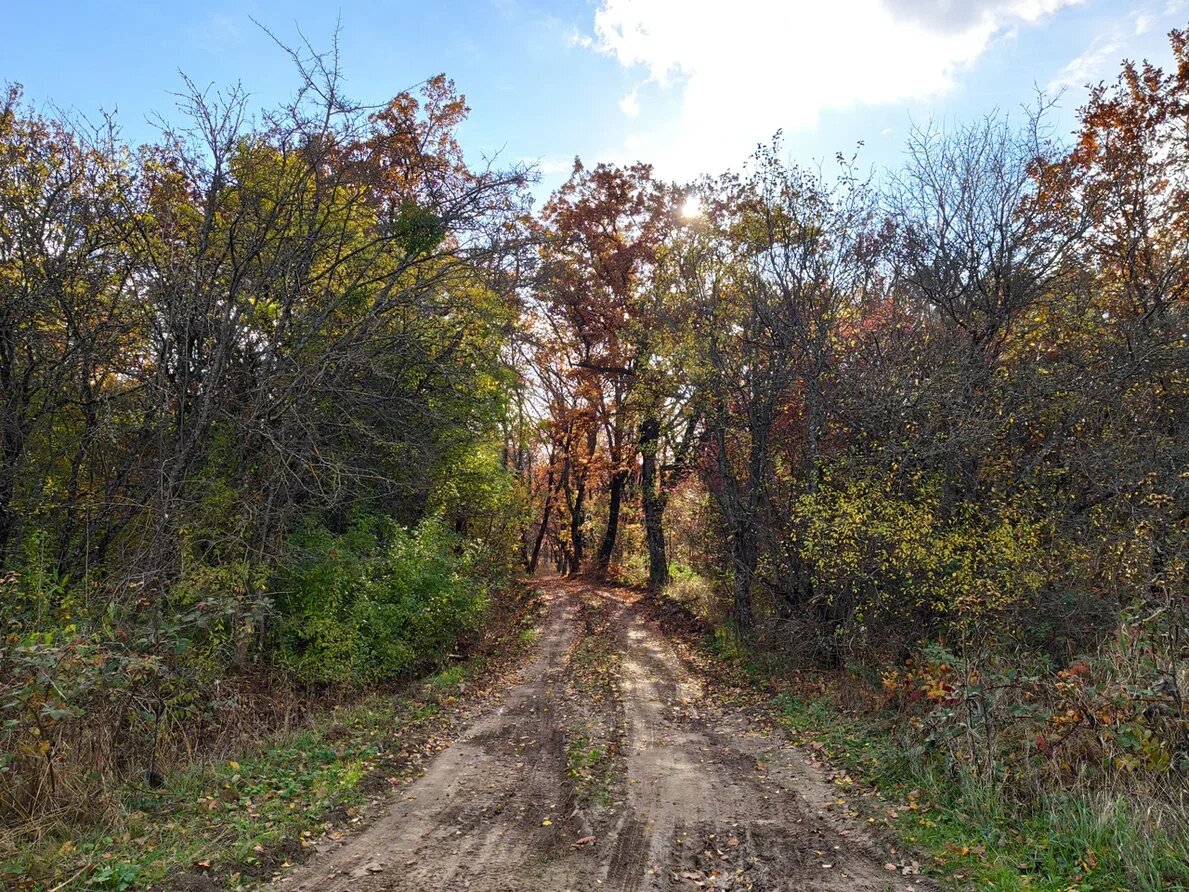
{"x": 1008, "y": 772}
{"x": 981, "y": 835}
{"x": 233, "y": 816}
{"x": 234, "y": 822}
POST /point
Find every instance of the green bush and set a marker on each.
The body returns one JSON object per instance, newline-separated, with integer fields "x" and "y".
{"x": 476, "y": 494}
{"x": 883, "y": 559}
{"x": 376, "y": 602}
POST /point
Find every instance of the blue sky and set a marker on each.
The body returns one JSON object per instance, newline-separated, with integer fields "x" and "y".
{"x": 691, "y": 86}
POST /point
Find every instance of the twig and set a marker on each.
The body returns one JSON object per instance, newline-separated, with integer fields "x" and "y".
{"x": 65, "y": 883}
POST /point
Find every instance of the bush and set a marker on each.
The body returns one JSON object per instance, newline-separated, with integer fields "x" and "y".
{"x": 82, "y": 703}
{"x": 476, "y": 494}
{"x": 692, "y": 590}
{"x": 376, "y": 602}
{"x": 891, "y": 563}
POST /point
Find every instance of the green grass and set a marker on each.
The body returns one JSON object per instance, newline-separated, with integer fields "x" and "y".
{"x": 590, "y": 771}
{"x": 450, "y": 679}
{"x": 236, "y": 818}
{"x": 730, "y": 648}
{"x": 529, "y": 636}
{"x": 982, "y": 837}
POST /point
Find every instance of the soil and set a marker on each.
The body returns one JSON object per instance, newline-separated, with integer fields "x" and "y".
{"x": 704, "y": 795}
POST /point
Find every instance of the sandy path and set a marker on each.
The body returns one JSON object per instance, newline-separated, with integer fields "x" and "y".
{"x": 706, "y": 803}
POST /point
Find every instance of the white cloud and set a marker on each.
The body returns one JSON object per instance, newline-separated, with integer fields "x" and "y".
{"x": 630, "y": 104}
{"x": 1088, "y": 67}
{"x": 577, "y": 38}
{"x": 1138, "y": 34}
{"x": 961, "y": 15}
{"x": 550, "y": 166}
{"x": 747, "y": 68}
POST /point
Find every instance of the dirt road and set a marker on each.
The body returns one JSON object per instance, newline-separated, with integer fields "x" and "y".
{"x": 609, "y": 767}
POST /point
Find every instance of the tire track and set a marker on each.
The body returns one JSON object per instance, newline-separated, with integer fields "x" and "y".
{"x": 705, "y": 801}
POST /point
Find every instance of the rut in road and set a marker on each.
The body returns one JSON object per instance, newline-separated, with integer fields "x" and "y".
{"x": 697, "y": 797}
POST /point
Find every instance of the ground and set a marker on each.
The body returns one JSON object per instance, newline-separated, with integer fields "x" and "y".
{"x": 610, "y": 763}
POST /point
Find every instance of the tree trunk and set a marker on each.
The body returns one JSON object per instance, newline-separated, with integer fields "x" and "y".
{"x": 532, "y": 561}
{"x": 743, "y": 548}
{"x": 13, "y": 447}
{"x": 618, "y": 480}
{"x": 577, "y": 518}
{"x": 654, "y": 506}
{"x": 536, "y": 555}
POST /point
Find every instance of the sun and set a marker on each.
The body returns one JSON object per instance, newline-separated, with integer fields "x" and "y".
{"x": 692, "y": 208}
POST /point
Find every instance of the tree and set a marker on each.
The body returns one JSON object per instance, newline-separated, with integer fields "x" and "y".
{"x": 602, "y": 232}
{"x": 781, "y": 254}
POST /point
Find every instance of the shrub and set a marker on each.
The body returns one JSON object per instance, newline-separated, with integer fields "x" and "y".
{"x": 376, "y": 602}
{"x": 692, "y": 590}
{"x": 884, "y": 561}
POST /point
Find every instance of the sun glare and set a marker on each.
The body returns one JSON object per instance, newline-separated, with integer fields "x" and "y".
{"x": 692, "y": 209}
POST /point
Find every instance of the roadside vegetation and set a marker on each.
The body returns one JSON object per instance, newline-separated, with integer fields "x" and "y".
{"x": 290, "y": 397}
{"x": 238, "y": 820}
{"x": 252, "y": 392}
{"x": 1088, "y": 835}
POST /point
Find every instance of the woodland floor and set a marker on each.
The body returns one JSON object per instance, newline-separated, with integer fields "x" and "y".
{"x": 611, "y": 761}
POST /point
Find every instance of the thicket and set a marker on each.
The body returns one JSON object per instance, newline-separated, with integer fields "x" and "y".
{"x": 252, "y": 383}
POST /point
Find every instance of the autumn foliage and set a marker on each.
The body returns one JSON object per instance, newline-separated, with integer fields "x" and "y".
{"x": 283, "y": 398}
{"x": 929, "y": 435}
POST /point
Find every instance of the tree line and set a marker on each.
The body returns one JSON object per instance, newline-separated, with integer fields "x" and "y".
{"x": 284, "y": 395}
{"x": 251, "y": 392}
{"x": 905, "y": 399}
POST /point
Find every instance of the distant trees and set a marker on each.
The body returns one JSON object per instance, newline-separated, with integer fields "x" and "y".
{"x": 600, "y": 237}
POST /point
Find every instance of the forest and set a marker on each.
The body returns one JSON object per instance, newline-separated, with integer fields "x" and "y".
{"x": 290, "y": 401}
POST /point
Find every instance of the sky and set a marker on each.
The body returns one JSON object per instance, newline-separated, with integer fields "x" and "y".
{"x": 688, "y": 85}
